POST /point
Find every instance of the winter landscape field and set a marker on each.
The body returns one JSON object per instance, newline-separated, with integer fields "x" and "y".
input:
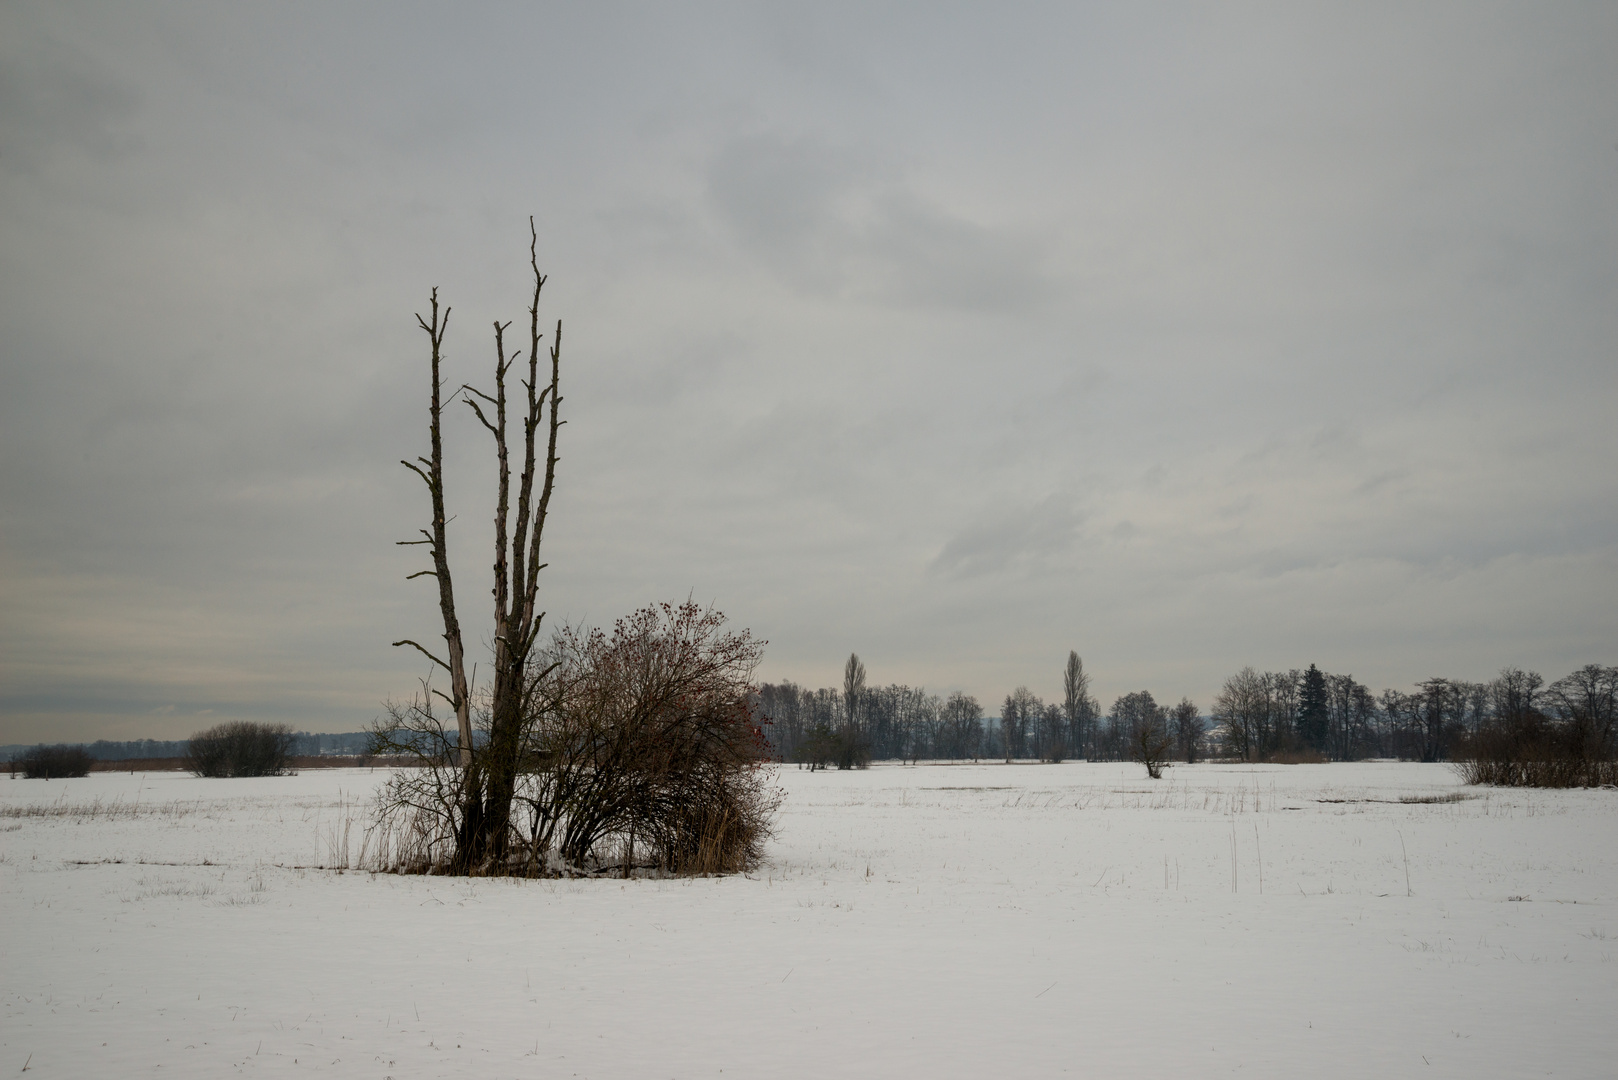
{"x": 933, "y": 921}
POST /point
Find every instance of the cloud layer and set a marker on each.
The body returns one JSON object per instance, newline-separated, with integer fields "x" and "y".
{"x": 959, "y": 338}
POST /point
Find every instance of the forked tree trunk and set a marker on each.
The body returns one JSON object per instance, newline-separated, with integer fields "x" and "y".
{"x": 516, "y": 562}
{"x": 489, "y": 772}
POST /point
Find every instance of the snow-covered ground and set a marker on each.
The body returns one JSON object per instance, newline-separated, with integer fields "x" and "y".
{"x": 932, "y": 921}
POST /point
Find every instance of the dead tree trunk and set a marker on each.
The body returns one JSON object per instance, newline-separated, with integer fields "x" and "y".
{"x": 437, "y": 545}
{"x": 516, "y": 558}
{"x": 437, "y": 541}
{"x": 489, "y": 772}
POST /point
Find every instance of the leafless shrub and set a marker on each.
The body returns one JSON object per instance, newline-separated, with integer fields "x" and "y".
{"x": 1536, "y": 771}
{"x": 1531, "y": 749}
{"x": 419, "y": 812}
{"x": 649, "y": 732}
{"x": 240, "y": 748}
{"x": 1296, "y": 756}
{"x": 645, "y": 736}
{"x": 719, "y": 827}
{"x": 56, "y": 762}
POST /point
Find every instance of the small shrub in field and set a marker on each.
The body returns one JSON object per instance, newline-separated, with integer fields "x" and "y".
{"x": 55, "y": 762}
{"x": 241, "y": 748}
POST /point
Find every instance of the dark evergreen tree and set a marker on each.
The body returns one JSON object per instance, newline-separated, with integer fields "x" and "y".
{"x": 1314, "y": 709}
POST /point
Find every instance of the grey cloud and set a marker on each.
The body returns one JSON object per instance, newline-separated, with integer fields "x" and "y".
{"x": 58, "y": 99}
{"x": 960, "y": 341}
{"x": 832, "y": 221}
{"x": 1012, "y": 538}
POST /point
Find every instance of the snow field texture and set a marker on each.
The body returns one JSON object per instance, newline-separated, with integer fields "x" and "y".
{"x": 945, "y": 920}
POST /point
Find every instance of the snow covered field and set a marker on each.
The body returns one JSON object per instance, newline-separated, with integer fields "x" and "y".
{"x": 933, "y": 921}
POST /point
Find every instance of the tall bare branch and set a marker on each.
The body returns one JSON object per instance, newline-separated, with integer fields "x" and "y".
{"x": 459, "y": 695}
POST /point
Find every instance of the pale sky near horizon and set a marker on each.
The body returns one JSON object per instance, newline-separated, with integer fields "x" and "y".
{"x": 959, "y": 336}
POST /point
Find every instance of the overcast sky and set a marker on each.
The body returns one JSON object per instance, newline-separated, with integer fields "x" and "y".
{"x": 1185, "y": 337}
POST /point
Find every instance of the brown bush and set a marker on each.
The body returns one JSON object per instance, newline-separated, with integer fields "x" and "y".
{"x": 644, "y": 739}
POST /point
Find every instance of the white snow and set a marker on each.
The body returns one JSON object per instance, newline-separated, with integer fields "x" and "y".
{"x": 935, "y": 921}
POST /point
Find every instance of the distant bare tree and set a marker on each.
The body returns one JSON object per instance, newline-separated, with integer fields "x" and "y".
{"x": 1352, "y": 718}
{"x": 1515, "y": 693}
{"x": 782, "y": 705}
{"x": 1145, "y": 729}
{"x": 1440, "y": 705}
{"x": 961, "y": 727}
{"x": 1017, "y": 715}
{"x": 1053, "y": 731}
{"x": 1187, "y": 730}
{"x": 924, "y": 726}
{"x": 909, "y": 709}
{"x": 1252, "y": 712}
{"x": 853, "y": 688}
{"x": 853, "y": 748}
{"x": 1586, "y": 703}
{"x": 1078, "y": 707}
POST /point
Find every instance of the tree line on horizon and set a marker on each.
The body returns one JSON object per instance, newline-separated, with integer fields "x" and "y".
{"x": 1293, "y": 715}
{"x": 304, "y": 744}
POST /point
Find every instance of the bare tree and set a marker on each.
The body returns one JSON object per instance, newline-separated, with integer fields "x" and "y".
{"x": 1586, "y": 702}
{"x": 1252, "y": 709}
{"x": 853, "y": 748}
{"x": 1019, "y": 712}
{"x": 1052, "y": 739}
{"x": 437, "y": 541}
{"x": 1438, "y": 703}
{"x": 1352, "y": 723}
{"x": 488, "y": 772}
{"x": 1144, "y": 726}
{"x": 1077, "y": 706}
{"x": 1515, "y": 694}
{"x": 1187, "y": 732}
{"x": 853, "y": 689}
{"x": 782, "y": 706}
{"x": 961, "y": 727}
